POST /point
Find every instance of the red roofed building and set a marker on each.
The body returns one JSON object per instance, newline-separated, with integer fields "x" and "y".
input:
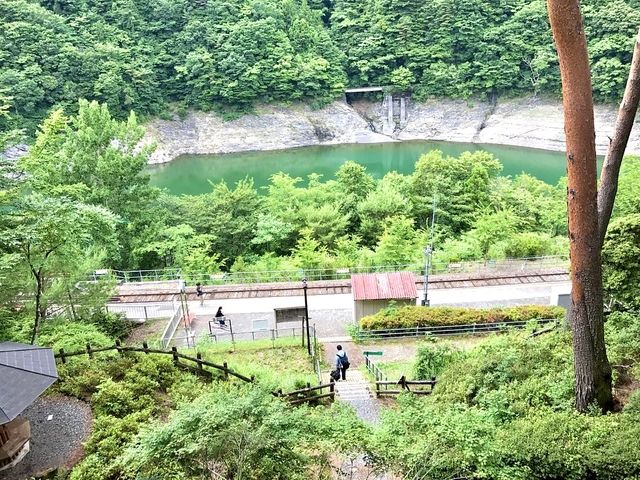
{"x": 373, "y": 291}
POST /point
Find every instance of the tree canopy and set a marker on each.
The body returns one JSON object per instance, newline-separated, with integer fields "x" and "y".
{"x": 147, "y": 55}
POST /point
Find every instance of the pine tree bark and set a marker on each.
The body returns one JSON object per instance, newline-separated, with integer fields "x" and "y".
{"x": 624, "y": 122}
{"x": 592, "y": 369}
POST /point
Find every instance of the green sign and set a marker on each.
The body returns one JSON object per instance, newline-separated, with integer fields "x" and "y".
{"x": 371, "y": 353}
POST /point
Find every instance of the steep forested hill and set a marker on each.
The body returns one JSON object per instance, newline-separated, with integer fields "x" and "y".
{"x": 143, "y": 54}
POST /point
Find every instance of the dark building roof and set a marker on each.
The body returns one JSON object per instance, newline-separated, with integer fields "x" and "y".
{"x": 25, "y": 372}
{"x": 384, "y": 286}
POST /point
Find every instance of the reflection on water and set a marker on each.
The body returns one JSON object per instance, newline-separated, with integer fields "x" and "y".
{"x": 191, "y": 173}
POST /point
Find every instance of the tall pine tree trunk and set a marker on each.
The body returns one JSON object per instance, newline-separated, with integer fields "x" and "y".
{"x": 592, "y": 369}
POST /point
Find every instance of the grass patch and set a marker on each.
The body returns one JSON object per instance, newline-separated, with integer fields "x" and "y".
{"x": 395, "y": 370}
{"x": 282, "y": 363}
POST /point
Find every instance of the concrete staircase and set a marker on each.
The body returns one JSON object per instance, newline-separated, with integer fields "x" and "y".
{"x": 356, "y": 392}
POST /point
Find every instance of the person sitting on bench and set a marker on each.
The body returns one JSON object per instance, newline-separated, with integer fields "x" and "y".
{"x": 220, "y": 317}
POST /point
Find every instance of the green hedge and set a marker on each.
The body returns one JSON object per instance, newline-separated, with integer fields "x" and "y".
{"x": 407, "y": 317}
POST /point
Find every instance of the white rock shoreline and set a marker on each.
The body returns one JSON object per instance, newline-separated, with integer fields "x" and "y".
{"x": 525, "y": 122}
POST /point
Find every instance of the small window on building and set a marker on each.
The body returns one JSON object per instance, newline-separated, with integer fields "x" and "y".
{"x": 261, "y": 324}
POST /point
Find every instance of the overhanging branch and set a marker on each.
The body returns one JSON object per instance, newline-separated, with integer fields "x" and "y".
{"x": 613, "y": 160}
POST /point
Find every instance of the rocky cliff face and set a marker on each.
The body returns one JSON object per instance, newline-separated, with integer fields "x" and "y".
{"x": 526, "y": 122}
{"x": 271, "y": 128}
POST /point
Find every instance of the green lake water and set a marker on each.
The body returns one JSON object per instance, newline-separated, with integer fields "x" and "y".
{"x": 190, "y": 174}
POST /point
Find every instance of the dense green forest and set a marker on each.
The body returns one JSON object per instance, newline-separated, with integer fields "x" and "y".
{"x": 354, "y": 220}
{"x": 503, "y": 407}
{"x": 80, "y": 200}
{"x": 152, "y": 56}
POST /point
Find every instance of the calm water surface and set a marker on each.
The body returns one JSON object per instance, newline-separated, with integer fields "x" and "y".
{"x": 191, "y": 174}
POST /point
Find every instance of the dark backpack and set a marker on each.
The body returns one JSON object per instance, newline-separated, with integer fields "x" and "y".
{"x": 345, "y": 362}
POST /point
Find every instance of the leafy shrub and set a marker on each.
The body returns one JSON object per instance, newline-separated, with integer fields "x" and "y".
{"x": 440, "y": 441}
{"x": 410, "y": 316}
{"x": 109, "y": 438}
{"x": 443, "y": 440}
{"x": 115, "y": 398}
{"x": 622, "y": 332}
{"x": 15, "y": 324}
{"x": 571, "y": 446}
{"x": 185, "y": 389}
{"x": 621, "y": 261}
{"x": 92, "y": 467}
{"x": 431, "y": 360}
{"x": 528, "y": 244}
{"x": 72, "y": 336}
{"x": 80, "y": 378}
{"x": 134, "y": 384}
{"x": 633, "y": 405}
{"x": 244, "y": 432}
{"x": 110, "y": 434}
{"x": 508, "y": 375}
{"x": 112, "y": 324}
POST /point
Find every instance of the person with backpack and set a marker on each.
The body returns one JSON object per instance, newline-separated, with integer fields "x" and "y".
{"x": 342, "y": 362}
{"x": 200, "y": 293}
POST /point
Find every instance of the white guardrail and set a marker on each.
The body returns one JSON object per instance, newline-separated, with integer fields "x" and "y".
{"x": 338, "y": 273}
{"x": 171, "y": 327}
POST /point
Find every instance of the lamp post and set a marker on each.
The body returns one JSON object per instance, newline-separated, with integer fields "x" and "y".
{"x": 427, "y": 254}
{"x": 427, "y": 267}
{"x": 306, "y": 313}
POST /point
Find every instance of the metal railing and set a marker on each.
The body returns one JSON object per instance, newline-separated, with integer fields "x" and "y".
{"x": 341, "y": 273}
{"x": 316, "y": 353}
{"x": 142, "y": 312}
{"x": 144, "y": 275}
{"x": 170, "y": 329}
{"x": 266, "y": 334}
{"x": 445, "y": 330}
{"x": 373, "y": 369}
{"x": 273, "y": 334}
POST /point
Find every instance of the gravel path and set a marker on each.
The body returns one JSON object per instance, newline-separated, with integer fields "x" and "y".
{"x": 59, "y": 426}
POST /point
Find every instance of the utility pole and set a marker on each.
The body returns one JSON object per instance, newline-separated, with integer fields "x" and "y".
{"x": 428, "y": 251}
{"x": 306, "y": 313}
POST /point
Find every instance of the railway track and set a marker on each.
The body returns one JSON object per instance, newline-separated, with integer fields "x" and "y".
{"x": 148, "y": 292}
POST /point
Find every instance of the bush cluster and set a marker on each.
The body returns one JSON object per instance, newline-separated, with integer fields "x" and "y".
{"x": 509, "y": 375}
{"x": 431, "y": 359}
{"x": 407, "y": 317}
{"x": 72, "y": 336}
{"x": 126, "y": 393}
{"x": 504, "y": 410}
{"x": 448, "y": 441}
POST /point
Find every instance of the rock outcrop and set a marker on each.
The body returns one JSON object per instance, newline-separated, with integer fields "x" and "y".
{"x": 528, "y": 122}
{"x": 271, "y": 128}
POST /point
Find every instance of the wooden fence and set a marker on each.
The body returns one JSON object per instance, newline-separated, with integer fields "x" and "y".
{"x": 307, "y": 394}
{"x": 382, "y": 387}
{"x": 383, "y": 384}
{"x": 293, "y": 398}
